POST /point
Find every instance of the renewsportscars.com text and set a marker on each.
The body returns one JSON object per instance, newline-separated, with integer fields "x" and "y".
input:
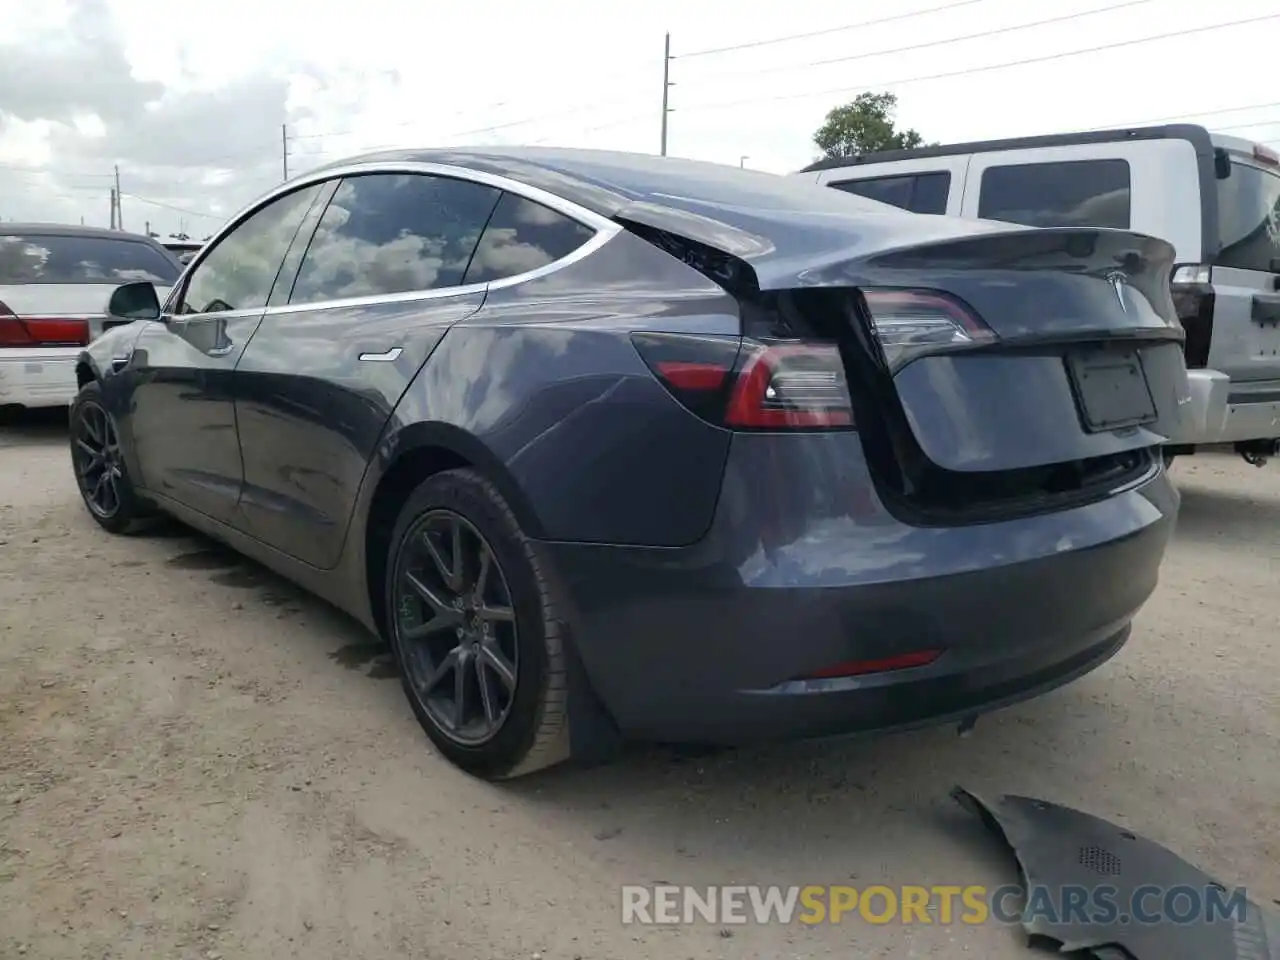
{"x": 970, "y": 905}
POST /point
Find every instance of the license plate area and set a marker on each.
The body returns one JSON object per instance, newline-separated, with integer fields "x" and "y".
{"x": 1111, "y": 389}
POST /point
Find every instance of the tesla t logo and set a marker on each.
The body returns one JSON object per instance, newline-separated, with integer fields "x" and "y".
{"x": 1119, "y": 284}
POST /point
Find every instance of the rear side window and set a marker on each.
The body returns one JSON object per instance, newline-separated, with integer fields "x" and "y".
{"x": 385, "y": 234}
{"x": 917, "y": 192}
{"x": 1076, "y": 193}
{"x": 41, "y": 258}
{"x": 1249, "y": 218}
{"x": 523, "y": 236}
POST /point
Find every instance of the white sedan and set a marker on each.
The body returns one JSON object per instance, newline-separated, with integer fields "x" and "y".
{"x": 54, "y": 285}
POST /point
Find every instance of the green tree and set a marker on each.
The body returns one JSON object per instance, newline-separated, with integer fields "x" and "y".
{"x": 864, "y": 126}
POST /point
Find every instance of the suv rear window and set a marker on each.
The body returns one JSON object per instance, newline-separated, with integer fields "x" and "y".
{"x": 917, "y": 192}
{"x": 1072, "y": 193}
{"x": 59, "y": 258}
{"x": 1249, "y": 218}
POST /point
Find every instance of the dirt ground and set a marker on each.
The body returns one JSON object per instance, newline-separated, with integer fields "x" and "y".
{"x": 198, "y": 761}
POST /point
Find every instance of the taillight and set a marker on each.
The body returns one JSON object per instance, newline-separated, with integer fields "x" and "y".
{"x": 41, "y": 331}
{"x": 789, "y": 386}
{"x": 911, "y": 322}
{"x": 12, "y": 332}
{"x": 752, "y": 385}
{"x": 1193, "y": 299}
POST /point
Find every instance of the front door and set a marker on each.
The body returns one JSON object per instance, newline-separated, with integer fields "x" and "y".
{"x": 378, "y": 287}
{"x": 182, "y": 415}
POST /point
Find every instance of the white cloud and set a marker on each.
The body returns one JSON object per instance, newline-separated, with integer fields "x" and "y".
{"x": 179, "y": 91}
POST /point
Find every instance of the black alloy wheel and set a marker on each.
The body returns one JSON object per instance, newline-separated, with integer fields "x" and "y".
{"x": 456, "y": 627}
{"x": 96, "y": 454}
{"x": 474, "y": 625}
{"x": 102, "y": 474}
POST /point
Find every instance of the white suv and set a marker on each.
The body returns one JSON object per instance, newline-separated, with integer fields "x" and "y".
{"x": 1215, "y": 198}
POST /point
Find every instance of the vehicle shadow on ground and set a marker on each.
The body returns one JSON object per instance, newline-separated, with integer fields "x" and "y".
{"x": 46, "y": 426}
{"x": 1225, "y": 515}
{"x": 361, "y": 651}
{"x": 869, "y": 798}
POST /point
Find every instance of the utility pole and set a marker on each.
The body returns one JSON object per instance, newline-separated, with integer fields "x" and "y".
{"x": 666, "y": 88}
{"x": 284, "y": 148}
{"x": 113, "y": 208}
{"x": 119, "y": 212}
{"x": 148, "y": 227}
{"x": 742, "y": 160}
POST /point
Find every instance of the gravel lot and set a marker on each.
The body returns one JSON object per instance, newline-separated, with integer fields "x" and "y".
{"x": 199, "y": 761}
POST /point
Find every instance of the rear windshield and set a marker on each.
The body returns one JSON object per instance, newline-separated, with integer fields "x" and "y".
{"x": 1249, "y": 218}
{"x": 45, "y": 258}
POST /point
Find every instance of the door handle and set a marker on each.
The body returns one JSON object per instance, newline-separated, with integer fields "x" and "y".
{"x": 389, "y": 355}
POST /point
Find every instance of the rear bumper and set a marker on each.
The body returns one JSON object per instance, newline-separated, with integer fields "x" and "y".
{"x": 1226, "y": 411}
{"x": 42, "y": 377}
{"x": 705, "y": 644}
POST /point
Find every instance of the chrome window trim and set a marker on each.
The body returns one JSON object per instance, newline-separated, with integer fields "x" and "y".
{"x": 605, "y": 230}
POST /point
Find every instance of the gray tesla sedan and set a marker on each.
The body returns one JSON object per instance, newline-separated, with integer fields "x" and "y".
{"x": 614, "y": 446}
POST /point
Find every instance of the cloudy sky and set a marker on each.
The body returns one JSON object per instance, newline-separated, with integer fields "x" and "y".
{"x": 188, "y": 97}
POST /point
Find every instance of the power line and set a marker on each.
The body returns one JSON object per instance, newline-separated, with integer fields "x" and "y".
{"x": 937, "y": 43}
{"x": 471, "y": 111}
{"x": 821, "y": 33}
{"x": 1194, "y": 116}
{"x": 985, "y": 69}
{"x": 497, "y": 127}
{"x": 169, "y": 206}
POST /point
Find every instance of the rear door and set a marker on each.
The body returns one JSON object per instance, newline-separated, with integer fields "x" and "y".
{"x": 1246, "y": 275}
{"x": 934, "y": 185}
{"x": 376, "y": 289}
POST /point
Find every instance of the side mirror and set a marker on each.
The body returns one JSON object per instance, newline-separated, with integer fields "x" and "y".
{"x": 134, "y": 301}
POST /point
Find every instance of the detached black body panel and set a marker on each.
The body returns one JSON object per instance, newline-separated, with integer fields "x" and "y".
{"x": 1060, "y": 848}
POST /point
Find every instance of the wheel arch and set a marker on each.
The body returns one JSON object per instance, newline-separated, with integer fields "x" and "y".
{"x": 419, "y": 451}
{"x": 86, "y": 370}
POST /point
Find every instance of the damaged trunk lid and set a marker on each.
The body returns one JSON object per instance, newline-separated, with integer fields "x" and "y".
{"x": 994, "y": 369}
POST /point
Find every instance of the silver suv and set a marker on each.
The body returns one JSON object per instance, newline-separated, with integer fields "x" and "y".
{"x": 1215, "y": 198}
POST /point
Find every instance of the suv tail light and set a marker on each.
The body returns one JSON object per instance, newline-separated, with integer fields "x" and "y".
{"x": 1194, "y": 301}
{"x": 752, "y": 385}
{"x": 911, "y": 322}
{"x": 41, "y": 331}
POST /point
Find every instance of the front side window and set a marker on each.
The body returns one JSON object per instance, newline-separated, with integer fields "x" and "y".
{"x": 1075, "y": 193}
{"x": 521, "y": 236}
{"x": 66, "y": 258}
{"x": 1249, "y": 218}
{"x": 239, "y": 272}
{"x": 385, "y": 234}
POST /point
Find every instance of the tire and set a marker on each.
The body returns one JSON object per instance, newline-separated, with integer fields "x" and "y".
{"x": 533, "y": 731}
{"x": 128, "y": 513}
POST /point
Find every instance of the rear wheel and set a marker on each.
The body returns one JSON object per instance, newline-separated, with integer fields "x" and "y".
{"x": 101, "y": 473}
{"x": 474, "y": 629}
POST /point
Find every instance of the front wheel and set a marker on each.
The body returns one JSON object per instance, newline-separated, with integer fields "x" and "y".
{"x": 101, "y": 473}
{"x": 474, "y": 629}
